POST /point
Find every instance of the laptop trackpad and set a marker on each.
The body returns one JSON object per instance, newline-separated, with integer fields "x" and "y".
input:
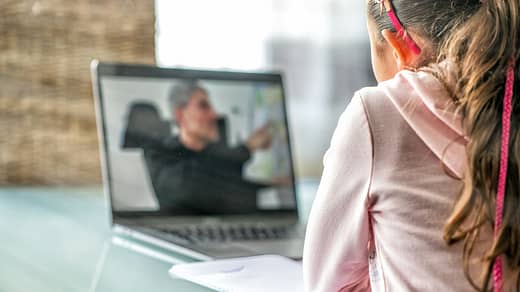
{"x": 223, "y": 250}
{"x": 292, "y": 248}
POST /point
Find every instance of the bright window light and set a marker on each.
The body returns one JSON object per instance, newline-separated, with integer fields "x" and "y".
{"x": 212, "y": 34}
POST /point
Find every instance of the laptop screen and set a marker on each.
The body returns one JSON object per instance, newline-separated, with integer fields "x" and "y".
{"x": 190, "y": 142}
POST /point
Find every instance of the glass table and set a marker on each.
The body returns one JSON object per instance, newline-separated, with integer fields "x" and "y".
{"x": 59, "y": 239}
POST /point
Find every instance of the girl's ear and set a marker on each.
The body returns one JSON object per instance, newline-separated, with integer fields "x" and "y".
{"x": 404, "y": 56}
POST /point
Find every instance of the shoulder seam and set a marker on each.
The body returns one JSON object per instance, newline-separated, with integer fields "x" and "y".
{"x": 372, "y": 148}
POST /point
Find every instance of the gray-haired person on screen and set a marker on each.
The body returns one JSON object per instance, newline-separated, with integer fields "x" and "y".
{"x": 191, "y": 172}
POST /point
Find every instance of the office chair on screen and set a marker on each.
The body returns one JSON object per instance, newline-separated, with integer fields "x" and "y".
{"x": 144, "y": 126}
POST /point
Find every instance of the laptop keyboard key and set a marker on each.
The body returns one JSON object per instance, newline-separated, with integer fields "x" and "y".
{"x": 241, "y": 232}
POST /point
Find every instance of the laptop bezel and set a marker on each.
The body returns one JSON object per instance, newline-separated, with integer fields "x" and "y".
{"x": 103, "y": 69}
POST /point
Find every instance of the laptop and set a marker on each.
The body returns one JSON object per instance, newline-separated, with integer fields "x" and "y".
{"x": 197, "y": 161}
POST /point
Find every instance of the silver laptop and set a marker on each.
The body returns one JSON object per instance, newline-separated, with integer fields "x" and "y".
{"x": 197, "y": 161}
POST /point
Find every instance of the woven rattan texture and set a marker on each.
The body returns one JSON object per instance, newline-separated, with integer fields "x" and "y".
{"x": 47, "y": 122}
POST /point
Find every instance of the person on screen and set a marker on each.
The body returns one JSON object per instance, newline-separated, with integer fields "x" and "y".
{"x": 195, "y": 173}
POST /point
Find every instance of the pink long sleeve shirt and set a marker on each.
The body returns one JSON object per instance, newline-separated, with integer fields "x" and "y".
{"x": 386, "y": 192}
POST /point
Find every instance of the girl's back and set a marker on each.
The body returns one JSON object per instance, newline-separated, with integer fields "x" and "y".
{"x": 407, "y": 197}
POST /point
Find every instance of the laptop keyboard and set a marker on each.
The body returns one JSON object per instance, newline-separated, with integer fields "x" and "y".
{"x": 203, "y": 233}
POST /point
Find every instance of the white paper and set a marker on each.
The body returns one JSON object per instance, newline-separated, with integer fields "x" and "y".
{"x": 248, "y": 274}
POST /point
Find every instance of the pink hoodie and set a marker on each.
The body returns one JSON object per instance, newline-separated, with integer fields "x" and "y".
{"x": 386, "y": 192}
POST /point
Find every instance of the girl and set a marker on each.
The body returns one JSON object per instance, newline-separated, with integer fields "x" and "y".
{"x": 421, "y": 185}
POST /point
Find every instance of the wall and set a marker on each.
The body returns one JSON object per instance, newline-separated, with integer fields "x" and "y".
{"x": 47, "y": 122}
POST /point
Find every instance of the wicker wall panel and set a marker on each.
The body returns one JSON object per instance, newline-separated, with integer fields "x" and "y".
{"x": 47, "y": 124}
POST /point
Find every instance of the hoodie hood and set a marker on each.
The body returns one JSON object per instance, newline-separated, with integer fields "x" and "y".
{"x": 427, "y": 107}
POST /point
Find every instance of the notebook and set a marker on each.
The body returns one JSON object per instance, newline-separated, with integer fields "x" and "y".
{"x": 198, "y": 161}
{"x": 248, "y": 274}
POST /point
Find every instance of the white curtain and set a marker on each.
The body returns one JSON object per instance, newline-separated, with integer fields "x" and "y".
{"x": 321, "y": 46}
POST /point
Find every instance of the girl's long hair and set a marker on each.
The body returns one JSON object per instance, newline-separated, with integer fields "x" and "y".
{"x": 480, "y": 48}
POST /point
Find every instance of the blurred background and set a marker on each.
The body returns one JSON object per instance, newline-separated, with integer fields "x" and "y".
{"x": 47, "y": 121}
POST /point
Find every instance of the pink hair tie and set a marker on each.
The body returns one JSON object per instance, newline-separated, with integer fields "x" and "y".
{"x": 398, "y": 26}
{"x": 504, "y": 153}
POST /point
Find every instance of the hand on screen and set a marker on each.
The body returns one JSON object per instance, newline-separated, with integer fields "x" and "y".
{"x": 260, "y": 139}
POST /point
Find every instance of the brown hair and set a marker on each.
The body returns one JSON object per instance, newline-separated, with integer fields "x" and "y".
{"x": 477, "y": 39}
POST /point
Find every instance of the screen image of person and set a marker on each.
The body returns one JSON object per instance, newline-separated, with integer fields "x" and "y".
{"x": 194, "y": 172}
